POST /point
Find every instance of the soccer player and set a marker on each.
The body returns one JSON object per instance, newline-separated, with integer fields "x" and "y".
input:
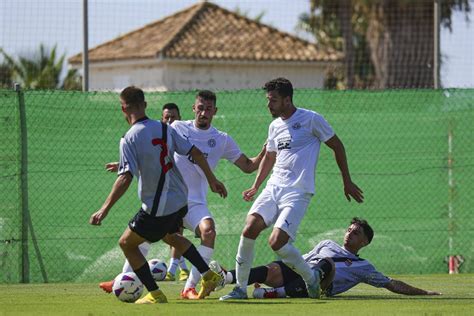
{"x": 293, "y": 144}
{"x": 215, "y": 145}
{"x": 340, "y": 269}
{"x": 146, "y": 151}
{"x": 170, "y": 113}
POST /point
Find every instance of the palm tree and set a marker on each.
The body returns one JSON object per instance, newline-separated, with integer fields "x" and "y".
{"x": 42, "y": 71}
{"x": 393, "y": 38}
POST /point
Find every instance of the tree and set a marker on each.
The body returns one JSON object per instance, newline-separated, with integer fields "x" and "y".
{"x": 387, "y": 43}
{"x": 42, "y": 71}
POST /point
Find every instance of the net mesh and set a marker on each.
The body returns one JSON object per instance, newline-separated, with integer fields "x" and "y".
{"x": 409, "y": 150}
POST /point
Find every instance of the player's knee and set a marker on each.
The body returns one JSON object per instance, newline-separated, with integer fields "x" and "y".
{"x": 124, "y": 244}
{"x": 208, "y": 234}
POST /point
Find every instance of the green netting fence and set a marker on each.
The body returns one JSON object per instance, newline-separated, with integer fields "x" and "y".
{"x": 411, "y": 151}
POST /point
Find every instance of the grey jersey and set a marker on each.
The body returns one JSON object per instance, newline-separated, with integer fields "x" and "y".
{"x": 147, "y": 153}
{"x": 350, "y": 269}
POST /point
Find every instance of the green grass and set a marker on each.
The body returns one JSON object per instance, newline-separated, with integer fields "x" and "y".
{"x": 88, "y": 299}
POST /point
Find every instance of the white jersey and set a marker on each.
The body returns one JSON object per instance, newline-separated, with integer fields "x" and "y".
{"x": 146, "y": 151}
{"x": 297, "y": 141}
{"x": 350, "y": 269}
{"x": 214, "y": 144}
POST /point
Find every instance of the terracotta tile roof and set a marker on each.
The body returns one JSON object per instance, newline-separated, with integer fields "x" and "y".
{"x": 207, "y": 31}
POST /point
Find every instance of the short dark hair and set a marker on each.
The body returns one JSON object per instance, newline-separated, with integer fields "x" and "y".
{"x": 368, "y": 231}
{"x": 207, "y": 95}
{"x": 171, "y": 106}
{"x": 132, "y": 96}
{"x": 282, "y": 85}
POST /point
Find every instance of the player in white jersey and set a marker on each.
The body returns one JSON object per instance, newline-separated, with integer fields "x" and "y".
{"x": 293, "y": 143}
{"x": 340, "y": 269}
{"x": 215, "y": 145}
{"x": 146, "y": 152}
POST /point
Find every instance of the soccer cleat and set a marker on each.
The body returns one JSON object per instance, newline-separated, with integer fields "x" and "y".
{"x": 169, "y": 277}
{"x": 190, "y": 294}
{"x": 261, "y": 292}
{"x": 217, "y": 268}
{"x": 314, "y": 289}
{"x": 183, "y": 274}
{"x": 153, "y": 298}
{"x": 107, "y": 286}
{"x": 236, "y": 294}
{"x": 209, "y": 282}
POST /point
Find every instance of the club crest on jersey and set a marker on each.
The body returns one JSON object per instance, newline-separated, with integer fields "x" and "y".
{"x": 297, "y": 125}
{"x": 348, "y": 262}
{"x": 211, "y": 142}
{"x": 284, "y": 143}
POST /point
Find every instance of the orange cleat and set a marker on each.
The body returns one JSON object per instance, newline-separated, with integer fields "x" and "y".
{"x": 107, "y": 286}
{"x": 189, "y": 294}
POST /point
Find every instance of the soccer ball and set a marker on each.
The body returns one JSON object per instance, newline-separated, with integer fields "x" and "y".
{"x": 158, "y": 269}
{"x": 127, "y": 287}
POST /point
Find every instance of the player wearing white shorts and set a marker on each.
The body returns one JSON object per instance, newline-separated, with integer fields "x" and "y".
{"x": 215, "y": 145}
{"x": 340, "y": 268}
{"x": 293, "y": 144}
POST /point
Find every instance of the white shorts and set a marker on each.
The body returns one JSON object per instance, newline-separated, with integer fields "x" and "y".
{"x": 196, "y": 213}
{"x": 282, "y": 207}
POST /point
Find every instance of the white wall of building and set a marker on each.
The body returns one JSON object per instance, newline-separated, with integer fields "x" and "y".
{"x": 189, "y": 75}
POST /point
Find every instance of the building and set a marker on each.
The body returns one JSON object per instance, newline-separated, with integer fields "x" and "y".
{"x": 205, "y": 46}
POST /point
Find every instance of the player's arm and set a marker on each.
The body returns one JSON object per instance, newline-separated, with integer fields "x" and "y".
{"x": 249, "y": 165}
{"x": 119, "y": 188}
{"x": 215, "y": 185}
{"x": 401, "y": 287}
{"x": 264, "y": 169}
{"x": 350, "y": 188}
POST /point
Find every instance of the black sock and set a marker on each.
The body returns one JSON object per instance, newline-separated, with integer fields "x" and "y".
{"x": 144, "y": 274}
{"x": 324, "y": 267}
{"x": 196, "y": 259}
{"x": 258, "y": 275}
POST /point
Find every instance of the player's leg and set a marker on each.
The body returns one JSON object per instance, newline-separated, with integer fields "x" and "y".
{"x": 177, "y": 260}
{"x": 107, "y": 285}
{"x": 206, "y": 231}
{"x": 210, "y": 279}
{"x": 293, "y": 207}
{"x": 129, "y": 242}
{"x": 261, "y": 215}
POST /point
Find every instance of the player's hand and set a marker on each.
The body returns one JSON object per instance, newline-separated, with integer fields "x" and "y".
{"x": 112, "y": 166}
{"x": 97, "y": 217}
{"x": 352, "y": 190}
{"x": 219, "y": 188}
{"x": 249, "y": 194}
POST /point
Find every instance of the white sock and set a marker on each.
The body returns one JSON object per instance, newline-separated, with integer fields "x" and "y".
{"x": 173, "y": 265}
{"x": 292, "y": 258}
{"x": 182, "y": 263}
{"x": 280, "y": 291}
{"x": 229, "y": 278}
{"x": 144, "y": 248}
{"x": 195, "y": 276}
{"x": 244, "y": 260}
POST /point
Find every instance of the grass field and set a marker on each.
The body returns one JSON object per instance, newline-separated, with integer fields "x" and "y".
{"x": 88, "y": 299}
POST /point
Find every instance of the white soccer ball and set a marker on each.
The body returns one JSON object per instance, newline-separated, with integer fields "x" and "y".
{"x": 158, "y": 269}
{"x": 127, "y": 287}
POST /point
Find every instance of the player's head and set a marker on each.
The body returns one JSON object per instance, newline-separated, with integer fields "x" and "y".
{"x": 204, "y": 108}
{"x": 132, "y": 100}
{"x": 170, "y": 113}
{"x": 359, "y": 234}
{"x": 279, "y": 95}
